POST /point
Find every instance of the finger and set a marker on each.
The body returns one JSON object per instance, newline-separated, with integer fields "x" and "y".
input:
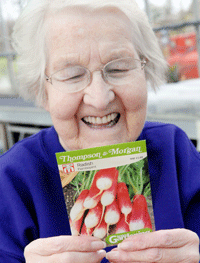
{"x": 162, "y": 238}
{"x": 129, "y": 261}
{"x": 116, "y": 249}
{"x": 55, "y": 245}
{"x": 82, "y": 257}
{"x": 167, "y": 255}
{"x": 117, "y": 261}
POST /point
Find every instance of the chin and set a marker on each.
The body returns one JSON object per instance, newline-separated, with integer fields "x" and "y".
{"x": 102, "y": 143}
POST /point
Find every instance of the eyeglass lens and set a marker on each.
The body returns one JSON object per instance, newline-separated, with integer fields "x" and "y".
{"x": 75, "y": 78}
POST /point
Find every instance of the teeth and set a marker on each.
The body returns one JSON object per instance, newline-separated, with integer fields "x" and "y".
{"x": 99, "y": 120}
{"x": 104, "y": 119}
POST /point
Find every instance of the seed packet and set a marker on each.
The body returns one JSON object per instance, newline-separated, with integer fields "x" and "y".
{"x": 107, "y": 191}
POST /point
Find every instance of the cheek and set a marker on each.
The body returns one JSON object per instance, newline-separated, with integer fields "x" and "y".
{"x": 134, "y": 96}
{"x": 63, "y": 106}
{"x": 135, "y": 105}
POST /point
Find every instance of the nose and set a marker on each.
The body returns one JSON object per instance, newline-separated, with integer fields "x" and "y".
{"x": 99, "y": 93}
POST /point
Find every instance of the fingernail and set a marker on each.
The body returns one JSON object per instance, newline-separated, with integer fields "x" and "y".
{"x": 113, "y": 255}
{"x": 102, "y": 253}
{"x": 125, "y": 246}
{"x": 97, "y": 245}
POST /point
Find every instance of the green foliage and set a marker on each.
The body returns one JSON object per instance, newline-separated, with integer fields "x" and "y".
{"x": 3, "y": 66}
{"x": 136, "y": 177}
{"x": 83, "y": 180}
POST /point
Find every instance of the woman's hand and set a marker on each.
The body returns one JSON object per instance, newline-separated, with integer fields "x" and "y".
{"x": 177, "y": 245}
{"x": 67, "y": 249}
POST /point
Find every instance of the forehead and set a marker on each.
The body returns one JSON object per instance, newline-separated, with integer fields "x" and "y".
{"x": 78, "y": 33}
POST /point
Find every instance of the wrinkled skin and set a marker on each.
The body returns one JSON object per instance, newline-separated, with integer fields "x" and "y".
{"x": 74, "y": 38}
{"x": 65, "y": 249}
{"x": 167, "y": 246}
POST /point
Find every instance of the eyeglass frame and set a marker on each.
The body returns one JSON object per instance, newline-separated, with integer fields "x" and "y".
{"x": 143, "y": 64}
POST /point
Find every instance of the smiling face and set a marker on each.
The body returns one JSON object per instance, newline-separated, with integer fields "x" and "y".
{"x": 101, "y": 114}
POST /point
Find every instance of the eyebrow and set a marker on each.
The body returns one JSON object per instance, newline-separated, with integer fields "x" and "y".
{"x": 72, "y": 59}
{"x": 116, "y": 54}
{"x": 64, "y": 61}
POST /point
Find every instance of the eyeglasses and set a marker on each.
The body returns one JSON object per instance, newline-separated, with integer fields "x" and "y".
{"x": 75, "y": 78}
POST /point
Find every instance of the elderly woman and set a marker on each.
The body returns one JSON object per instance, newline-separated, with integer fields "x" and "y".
{"x": 88, "y": 63}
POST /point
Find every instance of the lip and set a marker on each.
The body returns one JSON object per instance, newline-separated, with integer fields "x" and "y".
{"x": 106, "y": 121}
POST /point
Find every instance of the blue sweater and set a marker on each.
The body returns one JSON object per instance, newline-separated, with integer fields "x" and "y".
{"x": 31, "y": 197}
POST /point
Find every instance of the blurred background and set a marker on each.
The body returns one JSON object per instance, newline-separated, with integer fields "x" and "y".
{"x": 177, "y": 26}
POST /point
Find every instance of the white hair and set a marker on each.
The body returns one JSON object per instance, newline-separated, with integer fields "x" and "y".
{"x": 29, "y": 42}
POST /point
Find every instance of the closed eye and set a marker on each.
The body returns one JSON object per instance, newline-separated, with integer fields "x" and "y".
{"x": 117, "y": 70}
{"x": 76, "y": 77}
{"x": 72, "y": 79}
{"x": 71, "y": 74}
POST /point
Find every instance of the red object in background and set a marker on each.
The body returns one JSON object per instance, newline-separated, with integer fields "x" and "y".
{"x": 183, "y": 56}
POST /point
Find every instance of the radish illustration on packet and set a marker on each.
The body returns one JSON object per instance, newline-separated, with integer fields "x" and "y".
{"x": 107, "y": 191}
